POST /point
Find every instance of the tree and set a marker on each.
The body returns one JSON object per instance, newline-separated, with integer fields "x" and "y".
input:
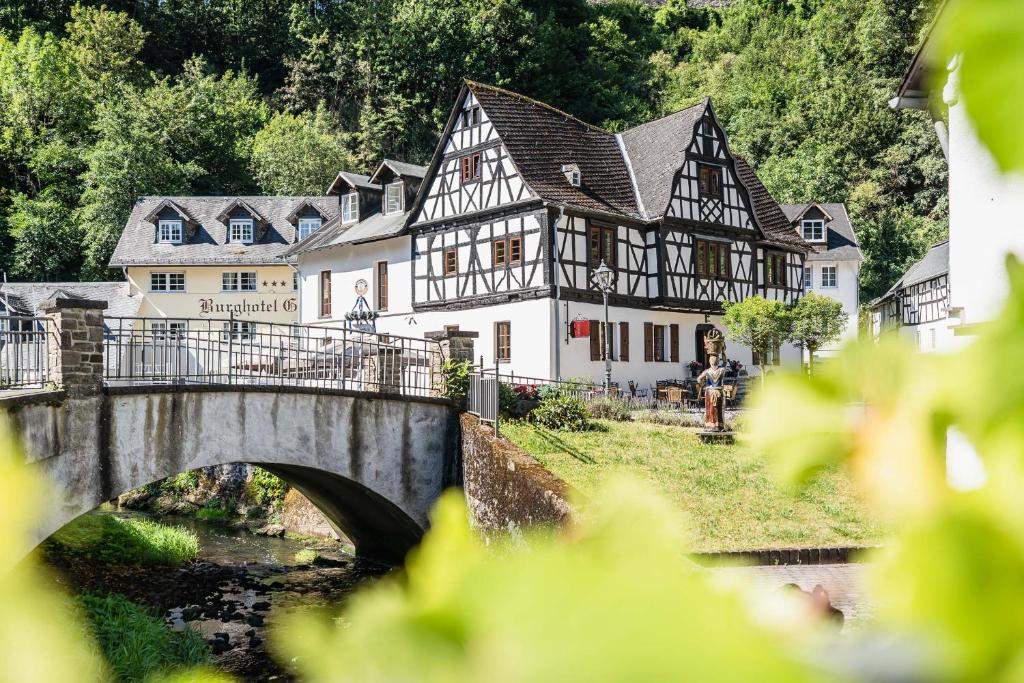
{"x": 106, "y": 46}
{"x": 761, "y": 324}
{"x": 816, "y": 321}
{"x": 299, "y": 154}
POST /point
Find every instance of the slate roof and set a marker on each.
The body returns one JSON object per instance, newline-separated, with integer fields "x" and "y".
{"x": 26, "y": 297}
{"x": 402, "y": 168}
{"x": 934, "y": 264}
{"x": 333, "y": 234}
{"x": 655, "y": 151}
{"x": 773, "y": 221}
{"x": 540, "y": 138}
{"x": 840, "y": 240}
{"x": 138, "y": 245}
{"x": 356, "y": 180}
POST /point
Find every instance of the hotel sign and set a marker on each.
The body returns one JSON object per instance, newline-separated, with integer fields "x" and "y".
{"x": 211, "y": 306}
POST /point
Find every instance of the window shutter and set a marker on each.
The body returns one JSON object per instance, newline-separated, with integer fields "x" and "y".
{"x": 649, "y": 342}
{"x": 624, "y": 341}
{"x": 595, "y": 340}
{"x": 673, "y": 343}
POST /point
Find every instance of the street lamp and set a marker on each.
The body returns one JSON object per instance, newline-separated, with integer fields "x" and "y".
{"x": 604, "y": 278}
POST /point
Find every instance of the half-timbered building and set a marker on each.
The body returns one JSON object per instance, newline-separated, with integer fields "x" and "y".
{"x": 522, "y": 202}
{"x": 917, "y": 306}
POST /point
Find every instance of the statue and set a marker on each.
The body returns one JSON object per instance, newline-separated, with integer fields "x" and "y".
{"x": 712, "y": 379}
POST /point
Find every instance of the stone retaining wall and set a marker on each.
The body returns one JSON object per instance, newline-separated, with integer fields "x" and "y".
{"x": 505, "y": 488}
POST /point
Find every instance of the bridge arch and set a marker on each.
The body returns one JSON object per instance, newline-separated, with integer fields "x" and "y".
{"x": 373, "y": 464}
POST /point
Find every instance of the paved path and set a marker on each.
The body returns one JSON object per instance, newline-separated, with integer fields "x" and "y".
{"x": 842, "y": 582}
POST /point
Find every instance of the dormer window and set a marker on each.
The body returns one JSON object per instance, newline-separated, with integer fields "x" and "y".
{"x": 393, "y": 196}
{"x": 813, "y": 229}
{"x": 572, "y": 174}
{"x": 307, "y": 226}
{"x": 350, "y": 207}
{"x": 169, "y": 232}
{"x": 710, "y": 179}
{"x": 240, "y": 230}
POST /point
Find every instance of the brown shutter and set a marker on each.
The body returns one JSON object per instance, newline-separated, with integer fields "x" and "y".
{"x": 649, "y": 342}
{"x": 595, "y": 340}
{"x": 624, "y": 342}
{"x": 673, "y": 343}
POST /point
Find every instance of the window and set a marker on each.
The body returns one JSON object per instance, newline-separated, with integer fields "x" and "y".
{"x": 382, "y": 285}
{"x": 240, "y": 230}
{"x": 167, "y": 282}
{"x": 451, "y": 261}
{"x": 813, "y": 230}
{"x": 808, "y": 277}
{"x": 572, "y": 174}
{"x": 325, "y": 293}
{"x": 710, "y": 178}
{"x": 828, "y": 276}
{"x": 659, "y": 344}
{"x": 507, "y": 251}
{"x": 499, "y": 248}
{"x": 240, "y": 330}
{"x": 238, "y": 282}
{"x": 713, "y": 259}
{"x": 307, "y": 226}
{"x": 775, "y": 270}
{"x": 602, "y": 246}
{"x": 350, "y": 207}
{"x": 471, "y": 116}
{"x": 169, "y": 231}
{"x": 168, "y": 329}
{"x": 393, "y": 198}
{"x": 515, "y": 250}
{"x": 295, "y": 281}
{"x": 503, "y": 341}
{"x": 471, "y": 168}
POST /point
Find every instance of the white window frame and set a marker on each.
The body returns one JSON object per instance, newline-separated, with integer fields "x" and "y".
{"x": 246, "y": 230}
{"x": 307, "y": 226}
{"x": 238, "y": 281}
{"x": 168, "y": 329}
{"x": 167, "y": 286}
{"x": 808, "y": 277}
{"x": 350, "y": 207}
{"x": 174, "y": 231}
{"x": 829, "y": 282}
{"x": 816, "y": 226}
{"x": 241, "y": 330}
{"x": 400, "y": 187}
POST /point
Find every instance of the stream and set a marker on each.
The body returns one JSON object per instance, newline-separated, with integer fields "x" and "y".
{"x": 233, "y": 592}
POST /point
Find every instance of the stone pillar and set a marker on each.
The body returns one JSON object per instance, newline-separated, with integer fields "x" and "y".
{"x": 454, "y": 345}
{"x": 385, "y": 371}
{"x": 75, "y": 344}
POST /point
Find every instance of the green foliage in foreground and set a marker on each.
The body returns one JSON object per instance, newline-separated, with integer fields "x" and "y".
{"x": 113, "y": 540}
{"x": 727, "y": 492}
{"x": 562, "y": 412}
{"x": 135, "y": 643}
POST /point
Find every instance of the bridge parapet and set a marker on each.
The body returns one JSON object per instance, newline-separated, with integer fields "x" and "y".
{"x": 75, "y": 347}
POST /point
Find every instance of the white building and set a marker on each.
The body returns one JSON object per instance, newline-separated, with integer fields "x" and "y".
{"x": 917, "y": 306}
{"x": 832, "y": 267}
{"x": 501, "y": 233}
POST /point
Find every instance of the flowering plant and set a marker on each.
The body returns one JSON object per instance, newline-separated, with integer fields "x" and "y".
{"x": 361, "y": 316}
{"x": 735, "y": 366}
{"x": 528, "y": 393}
{"x": 695, "y": 366}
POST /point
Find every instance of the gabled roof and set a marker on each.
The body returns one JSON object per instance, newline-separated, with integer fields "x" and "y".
{"x": 934, "y": 264}
{"x": 355, "y": 181}
{"x": 774, "y": 225}
{"x": 239, "y": 203}
{"x": 27, "y": 298}
{"x": 154, "y": 214}
{"x": 307, "y": 203}
{"x": 656, "y": 151}
{"x": 376, "y": 227}
{"x": 540, "y": 138}
{"x": 400, "y": 168}
{"x": 138, "y": 246}
{"x": 840, "y": 239}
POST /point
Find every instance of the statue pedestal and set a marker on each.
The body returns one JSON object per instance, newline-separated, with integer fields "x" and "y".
{"x": 723, "y": 438}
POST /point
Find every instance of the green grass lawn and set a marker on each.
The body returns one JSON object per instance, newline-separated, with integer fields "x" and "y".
{"x": 730, "y": 499}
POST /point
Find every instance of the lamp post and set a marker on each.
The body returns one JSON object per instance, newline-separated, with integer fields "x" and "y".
{"x": 604, "y": 278}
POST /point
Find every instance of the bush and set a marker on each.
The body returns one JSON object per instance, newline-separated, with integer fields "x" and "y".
{"x": 266, "y": 489}
{"x": 216, "y": 511}
{"x": 180, "y": 484}
{"x": 136, "y": 643}
{"x": 609, "y": 409}
{"x": 507, "y": 399}
{"x": 455, "y": 379}
{"x": 564, "y": 413}
{"x": 113, "y": 540}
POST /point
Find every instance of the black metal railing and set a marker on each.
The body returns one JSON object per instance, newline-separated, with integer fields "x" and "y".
{"x": 23, "y": 352}
{"x": 232, "y": 351}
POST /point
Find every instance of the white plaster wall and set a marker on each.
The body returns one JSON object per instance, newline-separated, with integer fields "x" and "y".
{"x": 845, "y": 292}
{"x": 986, "y": 220}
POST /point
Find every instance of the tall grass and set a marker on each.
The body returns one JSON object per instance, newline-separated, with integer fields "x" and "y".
{"x": 136, "y": 643}
{"x": 113, "y": 540}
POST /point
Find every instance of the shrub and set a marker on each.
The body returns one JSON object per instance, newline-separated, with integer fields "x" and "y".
{"x": 266, "y": 489}
{"x": 180, "y": 484}
{"x": 136, "y": 643}
{"x": 113, "y": 540}
{"x": 217, "y": 511}
{"x": 507, "y": 399}
{"x": 455, "y": 379}
{"x": 609, "y": 409}
{"x": 564, "y": 413}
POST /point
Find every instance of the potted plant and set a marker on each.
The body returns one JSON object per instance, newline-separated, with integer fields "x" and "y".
{"x": 695, "y": 368}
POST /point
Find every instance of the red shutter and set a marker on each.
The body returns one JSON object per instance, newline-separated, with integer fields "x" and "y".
{"x": 595, "y": 340}
{"x": 649, "y": 342}
{"x": 624, "y": 342}
{"x": 673, "y": 343}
